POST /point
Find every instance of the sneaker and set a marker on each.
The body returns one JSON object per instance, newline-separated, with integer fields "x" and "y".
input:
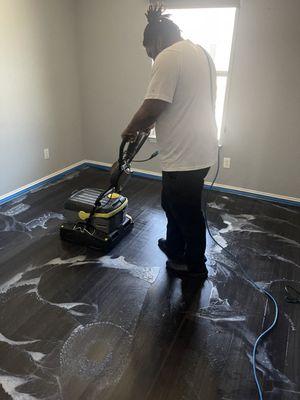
{"x": 183, "y": 271}
{"x": 162, "y": 244}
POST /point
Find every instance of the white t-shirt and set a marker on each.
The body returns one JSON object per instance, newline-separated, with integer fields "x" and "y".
{"x": 186, "y": 131}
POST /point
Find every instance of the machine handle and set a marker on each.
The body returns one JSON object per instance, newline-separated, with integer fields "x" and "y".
{"x": 133, "y": 147}
{"x": 121, "y": 150}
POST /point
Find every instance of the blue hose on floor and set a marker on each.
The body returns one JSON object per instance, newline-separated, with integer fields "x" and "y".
{"x": 249, "y": 280}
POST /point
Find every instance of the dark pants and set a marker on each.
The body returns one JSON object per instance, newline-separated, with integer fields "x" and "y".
{"x": 181, "y": 201}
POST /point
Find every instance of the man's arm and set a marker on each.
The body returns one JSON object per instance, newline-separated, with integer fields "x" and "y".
{"x": 145, "y": 117}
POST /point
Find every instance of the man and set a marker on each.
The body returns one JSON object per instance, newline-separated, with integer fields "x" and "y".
{"x": 180, "y": 101}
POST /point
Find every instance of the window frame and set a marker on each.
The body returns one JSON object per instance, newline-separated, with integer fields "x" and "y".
{"x": 198, "y": 4}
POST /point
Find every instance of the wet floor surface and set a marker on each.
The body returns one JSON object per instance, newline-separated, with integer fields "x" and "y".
{"x": 75, "y": 324}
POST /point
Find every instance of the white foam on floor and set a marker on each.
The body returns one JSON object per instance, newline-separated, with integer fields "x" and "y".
{"x": 292, "y": 325}
{"x": 11, "y": 282}
{"x": 237, "y": 318}
{"x": 265, "y": 365}
{"x": 221, "y": 243}
{"x": 15, "y": 210}
{"x": 67, "y": 306}
{"x": 16, "y": 343}
{"x": 17, "y": 281}
{"x": 74, "y": 260}
{"x": 76, "y": 357}
{"x": 41, "y": 221}
{"x": 148, "y": 274}
{"x": 216, "y": 206}
{"x": 277, "y": 257}
{"x": 13, "y": 225}
{"x": 18, "y": 199}
{"x": 238, "y": 223}
{"x": 36, "y": 355}
{"x": 10, "y": 384}
{"x": 242, "y": 223}
{"x": 218, "y": 309}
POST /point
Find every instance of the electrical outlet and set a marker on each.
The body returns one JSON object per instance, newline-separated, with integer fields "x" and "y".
{"x": 46, "y": 154}
{"x": 226, "y": 162}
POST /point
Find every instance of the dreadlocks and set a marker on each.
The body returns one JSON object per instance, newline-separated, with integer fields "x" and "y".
{"x": 159, "y": 25}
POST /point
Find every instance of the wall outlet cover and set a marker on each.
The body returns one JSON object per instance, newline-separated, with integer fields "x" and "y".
{"x": 46, "y": 154}
{"x": 226, "y": 162}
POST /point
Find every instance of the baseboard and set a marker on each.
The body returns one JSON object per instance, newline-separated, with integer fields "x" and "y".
{"x": 293, "y": 201}
{"x": 136, "y": 171}
{"x": 40, "y": 182}
{"x": 277, "y": 198}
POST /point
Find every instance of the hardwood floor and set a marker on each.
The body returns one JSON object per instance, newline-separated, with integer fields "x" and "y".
{"x": 75, "y": 324}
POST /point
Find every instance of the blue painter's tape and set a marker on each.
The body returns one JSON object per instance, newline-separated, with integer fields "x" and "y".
{"x": 147, "y": 176}
{"x": 97, "y": 166}
{"x": 254, "y": 196}
{"x": 40, "y": 184}
{"x": 135, "y": 173}
{"x": 152, "y": 177}
{"x": 215, "y": 188}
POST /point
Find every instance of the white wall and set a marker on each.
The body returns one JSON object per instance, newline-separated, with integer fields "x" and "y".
{"x": 263, "y": 121}
{"x": 39, "y": 90}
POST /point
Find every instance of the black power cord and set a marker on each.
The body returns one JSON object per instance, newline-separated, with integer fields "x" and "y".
{"x": 149, "y": 158}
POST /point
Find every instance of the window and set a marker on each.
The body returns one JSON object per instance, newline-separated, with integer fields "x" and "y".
{"x": 212, "y": 28}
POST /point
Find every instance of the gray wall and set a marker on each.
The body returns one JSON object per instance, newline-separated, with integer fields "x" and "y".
{"x": 114, "y": 71}
{"x": 263, "y": 124}
{"x": 42, "y": 105}
{"x": 39, "y": 90}
{"x": 263, "y": 119}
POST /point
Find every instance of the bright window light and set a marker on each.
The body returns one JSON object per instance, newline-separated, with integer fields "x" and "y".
{"x": 212, "y": 28}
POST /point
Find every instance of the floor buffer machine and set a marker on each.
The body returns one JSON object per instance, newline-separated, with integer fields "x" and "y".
{"x": 97, "y": 218}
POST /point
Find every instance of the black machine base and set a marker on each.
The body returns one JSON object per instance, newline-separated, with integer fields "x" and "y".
{"x": 87, "y": 235}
